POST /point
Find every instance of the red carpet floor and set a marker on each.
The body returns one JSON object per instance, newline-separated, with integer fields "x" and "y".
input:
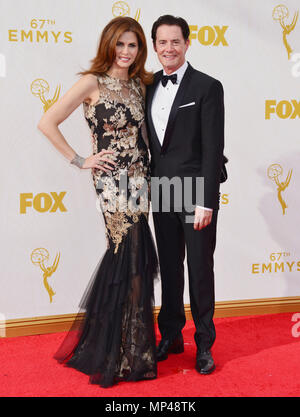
{"x": 256, "y": 356}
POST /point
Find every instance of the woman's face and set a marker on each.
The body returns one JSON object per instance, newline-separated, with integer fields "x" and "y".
{"x": 126, "y": 50}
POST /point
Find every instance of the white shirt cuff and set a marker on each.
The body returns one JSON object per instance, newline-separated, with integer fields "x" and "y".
{"x": 205, "y": 208}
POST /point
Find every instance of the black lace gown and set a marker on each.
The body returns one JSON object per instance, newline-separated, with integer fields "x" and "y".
{"x": 116, "y": 339}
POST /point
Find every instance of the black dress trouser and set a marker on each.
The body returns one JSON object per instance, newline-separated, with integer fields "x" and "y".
{"x": 173, "y": 236}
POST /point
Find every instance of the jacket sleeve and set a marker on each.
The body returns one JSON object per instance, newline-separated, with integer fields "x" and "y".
{"x": 212, "y": 142}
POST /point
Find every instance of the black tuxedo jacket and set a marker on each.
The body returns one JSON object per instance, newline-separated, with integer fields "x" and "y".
{"x": 194, "y": 138}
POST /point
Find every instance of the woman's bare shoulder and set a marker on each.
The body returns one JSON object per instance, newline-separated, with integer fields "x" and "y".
{"x": 89, "y": 80}
{"x": 88, "y": 83}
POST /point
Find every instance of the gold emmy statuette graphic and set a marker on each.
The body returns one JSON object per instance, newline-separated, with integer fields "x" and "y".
{"x": 39, "y": 87}
{"x": 137, "y": 15}
{"x": 121, "y": 8}
{"x": 281, "y": 13}
{"x": 38, "y": 257}
{"x": 274, "y": 171}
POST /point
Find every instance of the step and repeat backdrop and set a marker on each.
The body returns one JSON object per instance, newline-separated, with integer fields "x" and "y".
{"x": 52, "y": 233}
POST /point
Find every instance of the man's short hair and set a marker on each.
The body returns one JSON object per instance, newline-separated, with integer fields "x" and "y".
{"x": 170, "y": 20}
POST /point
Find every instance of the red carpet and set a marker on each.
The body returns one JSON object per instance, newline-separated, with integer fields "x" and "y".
{"x": 256, "y": 356}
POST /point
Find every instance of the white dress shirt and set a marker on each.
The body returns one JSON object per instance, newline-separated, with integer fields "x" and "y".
{"x": 162, "y": 103}
{"x": 163, "y": 100}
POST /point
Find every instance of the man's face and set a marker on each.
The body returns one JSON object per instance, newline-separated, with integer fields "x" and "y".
{"x": 170, "y": 47}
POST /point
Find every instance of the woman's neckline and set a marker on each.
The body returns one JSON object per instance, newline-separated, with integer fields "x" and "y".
{"x": 118, "y": 79}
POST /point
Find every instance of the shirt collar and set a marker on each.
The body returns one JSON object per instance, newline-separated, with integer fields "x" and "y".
{"x": 180, "y": 72}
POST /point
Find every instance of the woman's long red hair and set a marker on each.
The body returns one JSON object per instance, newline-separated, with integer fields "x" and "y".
{"x": 107, "y": 47}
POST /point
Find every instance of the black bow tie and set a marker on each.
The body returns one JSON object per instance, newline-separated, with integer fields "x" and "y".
{"x": 166, "y": 78}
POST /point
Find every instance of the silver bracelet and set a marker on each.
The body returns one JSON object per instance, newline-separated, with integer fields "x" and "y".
{"x": 78, "y": 161}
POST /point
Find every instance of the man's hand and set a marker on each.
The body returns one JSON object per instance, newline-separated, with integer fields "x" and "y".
{"x": 202, "y": 218}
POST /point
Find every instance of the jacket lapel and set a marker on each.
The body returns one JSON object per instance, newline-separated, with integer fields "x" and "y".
{"x": 149, "y": 98}
{"x": 177, "y": 101}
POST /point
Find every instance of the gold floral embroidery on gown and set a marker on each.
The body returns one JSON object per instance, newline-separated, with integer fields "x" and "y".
{"x": 116, "y": 121}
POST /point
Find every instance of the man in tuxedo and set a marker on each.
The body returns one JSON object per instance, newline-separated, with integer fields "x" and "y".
{"x": 185, "y": 121}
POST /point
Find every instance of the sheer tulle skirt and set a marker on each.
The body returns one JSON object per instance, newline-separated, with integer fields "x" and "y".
{"x": 115, "y": 341}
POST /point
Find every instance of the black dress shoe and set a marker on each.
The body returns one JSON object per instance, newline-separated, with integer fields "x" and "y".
{"x": 204, "y": 362}
{"x": 169, "y": 346}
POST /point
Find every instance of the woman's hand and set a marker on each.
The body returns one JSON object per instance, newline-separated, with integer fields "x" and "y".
{"x": 100, "y": 161}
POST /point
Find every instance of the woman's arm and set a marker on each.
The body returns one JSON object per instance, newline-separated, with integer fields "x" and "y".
{"x": 80, "y": 92}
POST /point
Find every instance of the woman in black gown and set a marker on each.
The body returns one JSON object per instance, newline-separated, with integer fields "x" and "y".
{"x": 116, "y": 339}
